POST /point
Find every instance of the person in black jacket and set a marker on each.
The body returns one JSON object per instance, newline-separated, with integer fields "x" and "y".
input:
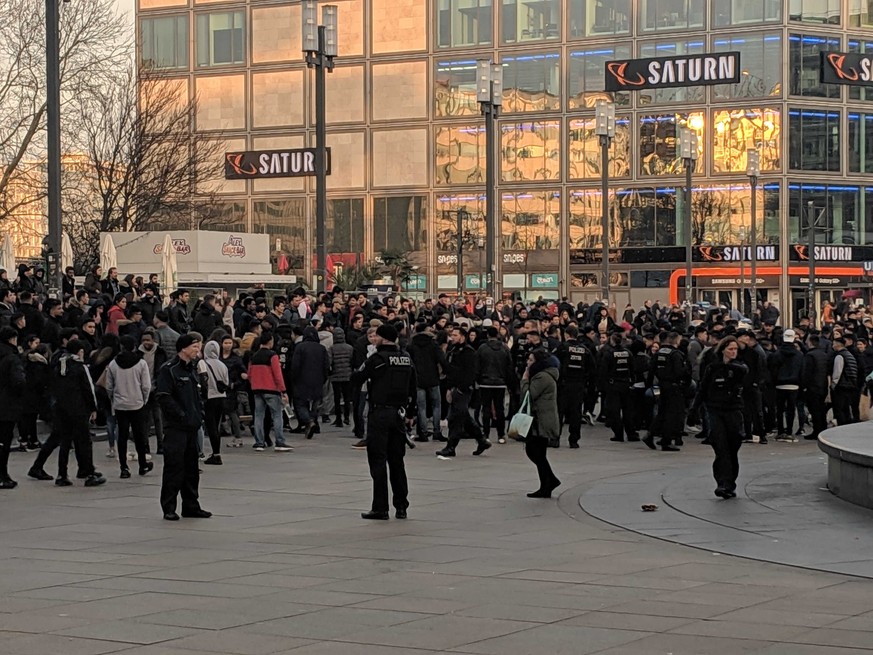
{"x": 673, "y": 373}
{"x": 786, "y": 367}
{"x": 721, "y": 390}
{"x": 178, "y": 312}
{"x": 428, "y": 358}
{"x": 35, "y": 397}
{"x": 12, "y": 386}
{"x": 615, "y": 374}
{"x": 206, "y": 318}
{"x": 814, "y": 381}
{"x": 844, "y": 382}
{"x": 495, "y": 374}
{"x": 577, "y": 376}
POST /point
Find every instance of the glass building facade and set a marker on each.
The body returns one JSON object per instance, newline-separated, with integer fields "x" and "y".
{"x": 408, "y": 141}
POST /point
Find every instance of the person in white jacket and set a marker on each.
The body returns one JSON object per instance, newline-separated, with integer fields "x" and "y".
{"x": 129, "y": 384}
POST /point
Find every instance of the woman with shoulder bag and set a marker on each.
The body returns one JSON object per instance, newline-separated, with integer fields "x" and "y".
{"x": 217, "y": 384}
{"x": 541, "y": 381}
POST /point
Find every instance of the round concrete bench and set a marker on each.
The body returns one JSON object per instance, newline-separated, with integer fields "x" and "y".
{"x": 850, "y": 462}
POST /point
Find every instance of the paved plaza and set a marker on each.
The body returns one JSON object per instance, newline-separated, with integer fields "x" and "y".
{"x": 286, "y": 565}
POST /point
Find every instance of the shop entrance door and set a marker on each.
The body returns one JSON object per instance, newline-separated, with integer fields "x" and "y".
{"x": 798, "y": 302}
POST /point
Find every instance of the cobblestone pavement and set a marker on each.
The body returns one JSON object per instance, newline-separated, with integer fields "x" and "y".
{"x": 286, "y": 565}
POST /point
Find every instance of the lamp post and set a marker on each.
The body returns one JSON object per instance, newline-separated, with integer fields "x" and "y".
{"x": 320, "y": 47}
{"x": 753, "y": 169}
{"x": 53, "y": 141}
{"x": 742, "y": 235}
{"x": 688, "y": 152}
{"x": 810, "y": 247}
{"x": 489, "y": 93}
{"x": 462, "y": 216}
{"x": 604, "y": 127}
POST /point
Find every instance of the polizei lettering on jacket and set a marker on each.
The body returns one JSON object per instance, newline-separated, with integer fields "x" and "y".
{"x": 667, "y": 72}
{"x": 399, "y": 360}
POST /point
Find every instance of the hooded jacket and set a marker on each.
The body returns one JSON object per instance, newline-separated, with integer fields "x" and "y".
{"x": 494, "y": 365}
{"x": 341, "y": 358}
{"x": 72, "y": 388}
{"x": 543, "y": 388}
{"x": 206, "y": 320}
{"x": 265, "y": 372}
{"x": 12, "y": 382}
{"x": 128, "y": 382}
{"x": 36, "y": 370}
{"x": 310, "y": 367}
{"x": 214, "y": 371}
{"x": 786, "y": 366}
{"x": 427, "y": 357}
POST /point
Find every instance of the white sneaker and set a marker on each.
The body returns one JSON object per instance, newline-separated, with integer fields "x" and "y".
{"x": 282, "y": 449}
{"x": 110, "y": 454}
{"x": 148, "y": 457}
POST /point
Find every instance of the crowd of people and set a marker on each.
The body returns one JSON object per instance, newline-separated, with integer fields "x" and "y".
{"x": 115, "y": 353}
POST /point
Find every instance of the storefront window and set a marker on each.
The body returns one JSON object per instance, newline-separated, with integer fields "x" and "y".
{"x": 221, "y": 38}
{"x": 722, "y": 213}
{"x": 741, "y": 12}
{"x": 860, "y": 92}
{"x": 598, "y": 17}
{"x": 645, "y": 217}
{"x": 164, "y": 42}
{"x": 696, "y": 94}
{"x": 585, "y": 150}
{"x": 735, "y": 131}
{"x": 671, "y": 15}
{"x": 285, "y": 222}
{"x": 847, "y": 217}
{"x": 860, "y": 143}
{"x": 525, "y": 21}
{"x": 455, "y": 88}
{"x": 463, "y": 22}
{"x": 815, "y": 140}
{"x": 826, "y": 12}
{"x": 345, "y": 225}
{"x": 587, "y": 76}
{"x": 761, "y": 61}
{"x": 460, "y": 154}
{"x": 470, "y": 209}
{"x": 399, "y": 223}
{"x": 659, "y": 143}
{"x": 586, "y": 218}
{"x": 860, "y": 13}
{"x": 531, "y": 220}
{"x": 229, "y": 216}
{"x": 530, "y": 151}
{"x": 650, "y": 279}
{"x": 804, "y": 58}
{"x": 531, "y": 82}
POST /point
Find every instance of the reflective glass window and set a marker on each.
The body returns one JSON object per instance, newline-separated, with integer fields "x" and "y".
{"x": 826, "y": 12}
{"x": 531, "y": 82}
{"x": 587, "y": 68}
{"x": 860, "y": 92}
{"x": 671, "y": 15}
{"x": 860, "y": 142}
{"x": 695, "y": 94}
{"x": 726, "y": 13}
{"x": 761, "y": 65}
{"x": 345, "y": 225}
{"x": 470, "y": 208}
{"x": 531, "y": 220}
{"x": 598, "y": 17}
{"x": 735, "y": 131}
{"x": 645, "y": 217}
{"x": 586, "y": 218}
{"x": 530, "y": 20}
{"x": 860, "y": 13}
{"x": 463, "y": 22}
{"x": 455, "y": 88}
{"x": 221, "y": 38}
{"x": 285, "y": 222}
{"x": 804, "y": 59}
{"x": 815, "y": 140}
{"x": 585, "y": 150}
{"x": 399, "y": 223}
{"x": 659, "y": 143}
{"x": 460, "y": 154}
{"x": 530, "y": 151}
{"x": 164, "y": 42}
{"x": 847, "y": 217}
{"x": 650, "y": 279}
{"x": 228, "y": 216}
{"x": 722, "y": 213}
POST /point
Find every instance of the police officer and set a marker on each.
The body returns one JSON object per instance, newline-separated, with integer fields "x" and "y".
{"x": 673, "y": 373}
{"x": 577, "y": 375}
{"x": 391, "y": 390}
{"x": 615, "y": 375}
{"x": 178, "y": 394}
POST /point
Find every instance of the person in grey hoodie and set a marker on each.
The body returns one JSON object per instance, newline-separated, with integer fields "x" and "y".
{"x": 128, "y": 384}
{"x": 340, "y": 376}
{"x": 217, "y": 384}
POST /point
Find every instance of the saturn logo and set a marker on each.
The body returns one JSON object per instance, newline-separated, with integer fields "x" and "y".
{"x": 235, "y": 161}
{"x": 837, "y": 62}
{"x": 619, "y": 71}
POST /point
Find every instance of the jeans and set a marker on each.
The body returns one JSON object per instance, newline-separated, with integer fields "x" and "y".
{"x": 214, "y": 409}
{"x": 263, "y": 401}
{"x": 111, "y": 430}
{"x": 156, "y": 420}
{"x": 537, "y": 450}
{"x": 423, "y": 393}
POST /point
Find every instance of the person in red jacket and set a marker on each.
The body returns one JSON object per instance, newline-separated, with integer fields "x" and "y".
{"x": 118, "y": 312}
{"x": 268, "y": 387}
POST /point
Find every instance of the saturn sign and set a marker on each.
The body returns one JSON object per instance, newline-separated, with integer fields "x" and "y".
{"x": 667, "y": 72}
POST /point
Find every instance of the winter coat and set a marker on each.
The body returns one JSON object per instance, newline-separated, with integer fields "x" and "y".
{"x": 427, "y": 357}
{"x": 51, "y": 332}
{"x": 113, "y": 317}
{"x": 179, "y": 320}
{"x": 235, "y": 369}
{"x": 33, "y": 321}
{"x": 92, "y": 285}
{"x": 543, "y": 389}
{"x": 310, "y": 367}
{"x": 128, "y": 382}
{"x": 815, "y": 372}
{"x": 494, "y": 365}
{"x": 340, "y": 358}
{"x": 206, "y": 320}
{"x": 786, "y": 366}
{"x": 12, "y": 383}
{"x": 462, "y": 367}
{"x": 167, "y": 338}
{"x": 214, "y": 370}
{"x": 35, "y": 397}
{"x": 178, "y": 394}
{"x": 265, "y": 372}
{"x": 72, "y": 387}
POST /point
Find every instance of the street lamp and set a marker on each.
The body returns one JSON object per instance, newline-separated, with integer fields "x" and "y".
{"x": 604, "y": 127}
{"x": 753, "y": 169}
{"x": 320, "y": 47}
{"x": 53, "y": 141}
{"x": 742, "y": 235}
{"x": 688, "y": 152}
{"x": 489, "y": 93}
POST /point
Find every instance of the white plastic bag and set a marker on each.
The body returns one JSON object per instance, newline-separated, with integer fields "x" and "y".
{"x": 520, "y": 424}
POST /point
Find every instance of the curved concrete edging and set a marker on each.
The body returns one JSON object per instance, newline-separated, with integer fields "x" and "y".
{"x": 850, "y": 462}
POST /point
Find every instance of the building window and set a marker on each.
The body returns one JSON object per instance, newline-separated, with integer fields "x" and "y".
{"x": 525, "y": 21}
{"x": 221, "y": 38}
{"x": 860, "y": 13}
{"x": 645, "y": 217}
{"x": 585, "y": 150}
{"x": 455, "y": 88}
{"x": 695, "y": 94}
{"x": 650, "y": 279}
{"x": 860, "y": 92}
{"x": 596, "y": 17}
{"x": 460, "y": 154}
{"x": 826, "y": 12}
{"x": 470, "y": 208}
{"x": 847, "y": 217}
{"x": 285, "y": 222}
{"x": 735, "y": 131}
{"x": 399, "y": 223}
{"x": 727, "y": 13}
{"x": 463, "y": 22}
{"x": 815, "y": 140}
{"x": 531, "y": 82}
{"x": 531, "y": 220}
{"x": 804, "y": 59}
{"x": 164, "y": 42}
{"x": 659, "y": 143}
{"x": 761, "y": 61}
{"x": 345, "y": 225}
{"x": 530, "y": 151}
{"x": 587, "y": 69}
{"x": 671, "y": 15}
{"x": 228, "y": 216}
{"x": 721, "y": 213}
{"x": 860, "y": 143}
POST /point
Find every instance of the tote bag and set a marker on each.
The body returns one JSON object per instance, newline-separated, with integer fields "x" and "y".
{"x": 520, "y": 424}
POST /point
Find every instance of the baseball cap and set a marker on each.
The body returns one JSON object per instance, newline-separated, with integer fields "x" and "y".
{"x": 789, "y": 336}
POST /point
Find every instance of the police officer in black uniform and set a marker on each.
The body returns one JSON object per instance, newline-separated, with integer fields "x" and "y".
{"x": 673, "y": 373}
{"x": 615, "y": 376}
{"x": 577, "y": 375}
{"x": 392, "y": 393}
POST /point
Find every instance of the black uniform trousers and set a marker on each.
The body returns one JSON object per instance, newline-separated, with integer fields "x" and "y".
{"x": 6, "y": 432}
{"x": 726, "y": 437}
{"x": 461, "y": 424}
{"x": 74, "y": 431}
{"x": 386, "y": 448}
{"x": 818, "y": 412}
{"x": 617, "y": 408}
{"x": 671, "y": 413}
{"x": 753, "y": 418}
{"x": 572, "y": 395}
{"x": 131, "y": 420}
{"x": 181, "y": 470}
{"x": 841, "y": 399}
